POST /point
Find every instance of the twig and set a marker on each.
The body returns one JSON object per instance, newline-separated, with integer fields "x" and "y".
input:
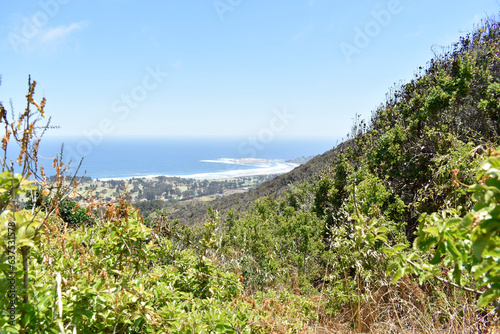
{"x": 447, "y": 281}
{"x": 59, "y": 302}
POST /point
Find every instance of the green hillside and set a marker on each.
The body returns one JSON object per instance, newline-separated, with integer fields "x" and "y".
{"x": 396, "y": 230}
{"x": 194, "y": 212}
{"x": 423, "y": 146}
{"x": 451, "y": 103}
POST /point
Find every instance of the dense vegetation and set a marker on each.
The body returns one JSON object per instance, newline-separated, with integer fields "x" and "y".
{"x": 399, "y": 234}
{"x": 168, "y": 194}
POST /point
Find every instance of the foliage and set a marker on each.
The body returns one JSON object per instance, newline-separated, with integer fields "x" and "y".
{"x": 467, "y": 247}
{"x": 68, "y": 210}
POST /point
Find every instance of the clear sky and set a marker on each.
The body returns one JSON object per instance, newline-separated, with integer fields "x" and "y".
{"x": 298, "y": 68}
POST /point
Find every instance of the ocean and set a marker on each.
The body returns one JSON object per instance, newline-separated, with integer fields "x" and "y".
{"x": 200, "y": 158}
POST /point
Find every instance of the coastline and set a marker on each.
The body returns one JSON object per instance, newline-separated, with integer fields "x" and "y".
{"x": 262, "y": 167}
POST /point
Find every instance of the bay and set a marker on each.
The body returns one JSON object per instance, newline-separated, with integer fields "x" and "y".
{"x": 204, "y": 157}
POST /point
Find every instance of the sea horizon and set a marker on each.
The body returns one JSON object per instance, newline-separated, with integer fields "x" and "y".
{"x": 119, "y": 157}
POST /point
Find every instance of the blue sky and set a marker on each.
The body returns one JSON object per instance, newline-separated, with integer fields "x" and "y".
{"x": 220, "y": 68}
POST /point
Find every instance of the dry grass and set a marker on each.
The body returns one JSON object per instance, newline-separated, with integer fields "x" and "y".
{"x": 407, "y": 308}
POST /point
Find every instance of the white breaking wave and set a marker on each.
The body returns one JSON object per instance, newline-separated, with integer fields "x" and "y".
{"x": 261, "y": 167}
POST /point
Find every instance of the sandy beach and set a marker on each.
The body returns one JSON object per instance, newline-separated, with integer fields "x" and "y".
{"x": 261, "y": 167}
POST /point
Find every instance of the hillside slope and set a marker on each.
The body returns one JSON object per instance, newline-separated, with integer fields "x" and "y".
{"x": 451, "y": 105}
{"x": 307, "y": 172}
{"x": 386, "y": 223}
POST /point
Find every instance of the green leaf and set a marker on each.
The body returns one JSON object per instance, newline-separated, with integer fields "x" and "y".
{"x": 494, "y": 173}
{"x": 489, "y": 194}
{"x": 482, "y": 268}
{"x": 381, "y": 237}
{"x": 495, "y": 252}
{"x": 475, "y": 188}
{"x": 424, "y": 243}
{"x": 432, "y": 230}
{"x": 490, "y": 225}
{"x": 452, "y": 249}
{"x": 27, "y": 318}
{"x": 424, "y": 276}
{"x": 398, "y": 274}
{"x": 386, "y": 250}
{"x": 413, "y": 256}
{"x": 453, "y": 222}
{"x": 391, "y": 267}
{"x": 487, "y": 297}
{"x": 492, "y": 184}
{"x": 457, "y": 274}
{"x": 370, "y": 238}
{"x": 479, "y": 244}
{"x": 400, "y": 247}
{"x": 439, "y": 253}
{"x": 382, "y": 229}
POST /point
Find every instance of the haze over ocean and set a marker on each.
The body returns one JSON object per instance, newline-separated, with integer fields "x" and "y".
{"x": 120, "y": 157}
